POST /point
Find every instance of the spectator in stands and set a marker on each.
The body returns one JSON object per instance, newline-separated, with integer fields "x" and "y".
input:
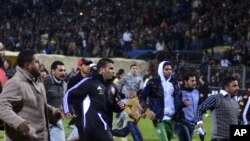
{"x": 127, "y": 39}
{"x": 9, "y": 70}
{"x": 162, "y": 52}
{"x": 72, "y": 33}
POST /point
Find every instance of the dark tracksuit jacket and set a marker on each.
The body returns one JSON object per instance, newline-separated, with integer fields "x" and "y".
{"x": 93, "y": 101}
{"x": 74, "y": 80}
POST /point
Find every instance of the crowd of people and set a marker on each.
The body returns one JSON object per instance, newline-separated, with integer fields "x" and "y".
{"x": 91, "y": 95}
{"x": 102, "y": 27}
{"x": 33, "y": 100}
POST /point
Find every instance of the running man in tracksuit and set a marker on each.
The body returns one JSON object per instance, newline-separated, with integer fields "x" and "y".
{"x": 93, "y": 101}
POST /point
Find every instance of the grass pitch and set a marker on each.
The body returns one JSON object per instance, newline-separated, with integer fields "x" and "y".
{"x": 147, "y": 130}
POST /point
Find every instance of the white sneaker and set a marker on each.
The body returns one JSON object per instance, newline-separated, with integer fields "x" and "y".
{"x": 200, "y": 131}
{"x": 71, "y": 126}
{"x": 206, "y": 115}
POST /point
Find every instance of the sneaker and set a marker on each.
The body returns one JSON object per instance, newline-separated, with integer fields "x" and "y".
{"x": 71, "y": 126}
{"x": 206, "y": 115}
{"x": 200, "y": 131}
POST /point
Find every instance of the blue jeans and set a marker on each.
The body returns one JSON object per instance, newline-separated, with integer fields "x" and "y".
{"x": 134, "y": 130}
{"x": 57, "y": 131}
{"x": 184, "y": 131}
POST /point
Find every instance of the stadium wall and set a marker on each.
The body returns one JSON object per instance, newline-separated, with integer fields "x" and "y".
{"x": 71, "y": 62}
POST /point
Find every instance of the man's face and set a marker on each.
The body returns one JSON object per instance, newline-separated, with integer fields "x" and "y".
{"x": 33, "y": 67}
{"x": 167, "y": 70}
{"x": 233, "y": 87}
{"x": 134, "y": 70}
{"x": 248, "y": 91}
{"x": 59, "y": 72}
{"x": 108, "y": 71}
{"x": 85, "y": 69}
{"x": 191, "y": 82}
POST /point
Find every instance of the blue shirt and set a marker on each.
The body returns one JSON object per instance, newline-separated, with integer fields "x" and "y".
{"x": 190, "y": 110}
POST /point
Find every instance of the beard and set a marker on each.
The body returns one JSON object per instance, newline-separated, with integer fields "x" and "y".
{"x": 60, "y": 78}
{"x": 35, "y": 73}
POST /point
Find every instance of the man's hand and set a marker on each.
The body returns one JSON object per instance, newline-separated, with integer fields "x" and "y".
{"x": 199, "y": 129}
{"x": 150, "y": 114}
{"x": 24, "y": 128}
{"x": 120, "y": 103}
{"x": 200, "y": 125}
{"x": 201, "y": 95}
{"x": 70, "y": 115}
{"x": 186, "y": 103}
{"x": 58, "y": 114}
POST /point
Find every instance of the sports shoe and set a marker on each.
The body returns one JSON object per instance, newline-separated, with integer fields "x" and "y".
{"x": 206, "y": 115}
{"x": 200, "y": 131}
{"x": 71, "y": 126}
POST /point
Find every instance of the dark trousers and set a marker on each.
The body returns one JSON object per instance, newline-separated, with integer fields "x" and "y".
{"x": 93, "y": 135}
{"x": 132, "y": 128}
{"x": 121, "y": 132}
{"x": 99, "y": 136}
{"x": 184, "y": 131}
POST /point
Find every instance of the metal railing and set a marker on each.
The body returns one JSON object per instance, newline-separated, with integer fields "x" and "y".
{"x": 215, "y": 74}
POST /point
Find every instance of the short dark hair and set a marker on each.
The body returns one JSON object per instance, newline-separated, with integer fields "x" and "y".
{"x": 227, "y": 80}
{"x": 120, "y": 72}
{"x": 25, "y": 56}
{"x": 102, "y": 63}
{"x": 133, "y": 65}
{"x": 55, "y": 64}
{"x": 187, "y": 75}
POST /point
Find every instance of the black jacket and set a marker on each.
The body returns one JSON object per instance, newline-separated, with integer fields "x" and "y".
{"x": 54, "y": 92}
{"x": 74, "y": 80}
{"x": 98, "y": 97}
{"x": 154, "y": 91}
